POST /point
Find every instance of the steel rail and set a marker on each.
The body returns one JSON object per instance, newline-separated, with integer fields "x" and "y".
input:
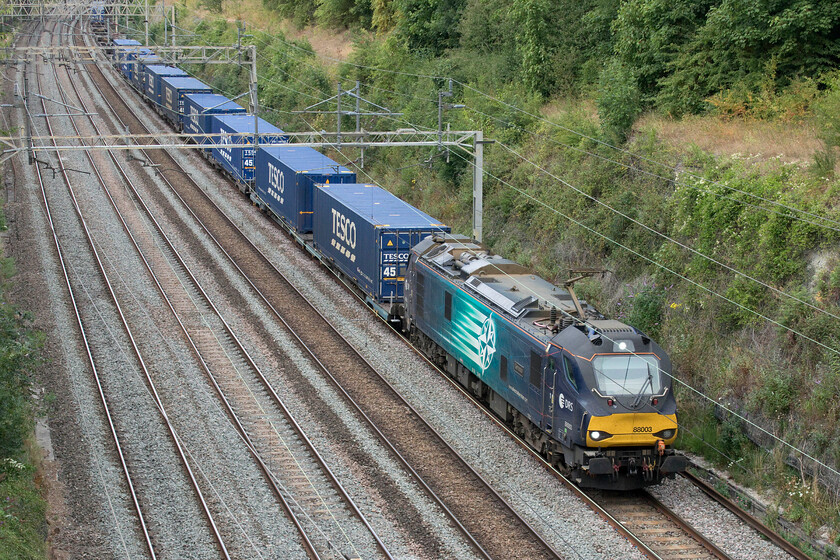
{"x": 249, "y": 359}
{"x": 128, "y": 331}
{"x": 757, "y": 525}
{"x": 89, "y": 353}
{"x": 324, "y": 369}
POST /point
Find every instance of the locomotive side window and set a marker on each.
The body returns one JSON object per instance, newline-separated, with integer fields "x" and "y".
{"x": 535, "y": 377}
{"x": 518, "y": 368}
{"x": 503, "y": 368}
{"x": 570, "y": 372}
{"x": 447, "y": 306}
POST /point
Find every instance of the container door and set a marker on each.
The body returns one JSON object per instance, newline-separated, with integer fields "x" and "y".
{"x": 390, "y": 266}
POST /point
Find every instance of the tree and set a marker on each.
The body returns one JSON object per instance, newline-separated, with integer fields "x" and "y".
{"x": 429, "y": 26}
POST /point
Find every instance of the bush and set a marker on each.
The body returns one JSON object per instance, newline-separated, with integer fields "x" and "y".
{"x": 619, "y": 100}
{"x": 646, "y": 311}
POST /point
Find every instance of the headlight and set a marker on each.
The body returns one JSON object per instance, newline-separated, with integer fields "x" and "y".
{"x": 666, "y": 434}
{"x": 597, "y": 435}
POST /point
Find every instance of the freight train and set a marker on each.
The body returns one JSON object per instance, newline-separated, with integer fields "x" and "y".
{"x": 592, "y": 395}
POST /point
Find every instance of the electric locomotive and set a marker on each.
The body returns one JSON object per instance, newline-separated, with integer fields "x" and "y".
{"x": 594, "y": 395}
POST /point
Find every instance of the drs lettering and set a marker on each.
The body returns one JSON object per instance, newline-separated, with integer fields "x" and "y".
{"x": 344, "y": 228}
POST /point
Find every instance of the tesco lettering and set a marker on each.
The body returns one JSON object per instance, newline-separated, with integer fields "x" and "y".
{"x": 275, "y": 178}
{"x": 344, "y": 228}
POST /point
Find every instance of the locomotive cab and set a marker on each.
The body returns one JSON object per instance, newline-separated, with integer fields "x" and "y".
{"x": 628, "y": 419}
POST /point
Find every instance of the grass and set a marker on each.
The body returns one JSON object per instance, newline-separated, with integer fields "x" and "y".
{"x": 23, "y": 528}
{"x": 328, "y": 43}
{"x": 759, "y": 140}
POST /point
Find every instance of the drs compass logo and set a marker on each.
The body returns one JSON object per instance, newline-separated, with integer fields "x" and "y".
{"x": 487, "y": 343}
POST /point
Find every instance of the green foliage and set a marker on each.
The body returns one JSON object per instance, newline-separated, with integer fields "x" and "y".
{"x": 791, "y": 104}
{"x": 619, "y": 100}
{"x": 732, "y": 441}
{"x": 650, "y": 33}
{"x": 301, "y": 12}
{"x": 429, "y": 26}
{"x": 17, "y": 355}
{"x": 214, "y": 6}
{"x": 827, "y": 118}
{"x": 647, "y": 309}
{"x": 22, "y": 513}
{"x": 774, "y": 395}
{"x": 740, "y": 39}
{"x": 536, "y": 22}
{"x": 344, "y": 13}
{"x": 486, "y": 27}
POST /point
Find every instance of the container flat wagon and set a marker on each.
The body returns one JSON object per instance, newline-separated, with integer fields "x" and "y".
{"x": 172, "y": 92}
{"x": 367, "y": 233}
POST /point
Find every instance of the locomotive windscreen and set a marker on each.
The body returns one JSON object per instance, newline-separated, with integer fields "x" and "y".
{"x": 627, "y": 374}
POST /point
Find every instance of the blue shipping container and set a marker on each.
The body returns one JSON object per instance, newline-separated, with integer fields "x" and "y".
{"x": 286, "y": 177}
{"x": 121, "y": 54}
{"x": 138, "y": 74}
{"x": 368, "y": 233}
{"x": 153, "y": 75}
{"x": 128, "y": 61}
{"x": 197, "y": 110}
{"x": 236, "y": 155}
{"x": 172, "y": 92}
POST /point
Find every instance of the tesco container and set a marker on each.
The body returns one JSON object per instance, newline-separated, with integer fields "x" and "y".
{"x": 286, "y": 178}
{"x": 123, "y": 50}
{"x": 198, "y": 107}
{"x": 235, "y": 153}
{"x": 117, "y": 52}
{"x": 172, "y": 92}
{"x": 138, "y": 71}
{"x": 153, "y": 73}
{"x": 128, "y": 61}
{"x": 368, "y": 233}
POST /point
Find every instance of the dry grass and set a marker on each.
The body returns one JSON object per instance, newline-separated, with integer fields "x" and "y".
{"x": 327, "y": 43}
{"x": 558, "y": 107}
{"x": 762, "y": 140}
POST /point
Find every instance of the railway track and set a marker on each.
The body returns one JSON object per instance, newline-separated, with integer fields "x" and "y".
{"x": 311, "y": 495}
{"x": 90, "y": 278}
{"x": 471, "y": 503}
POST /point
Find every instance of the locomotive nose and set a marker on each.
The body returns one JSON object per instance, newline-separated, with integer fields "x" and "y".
{"x": 631, "y": 429}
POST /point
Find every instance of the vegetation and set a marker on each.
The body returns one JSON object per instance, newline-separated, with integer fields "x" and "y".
{"x": 576, "y": 179}
{"x": 22, "y": 509}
